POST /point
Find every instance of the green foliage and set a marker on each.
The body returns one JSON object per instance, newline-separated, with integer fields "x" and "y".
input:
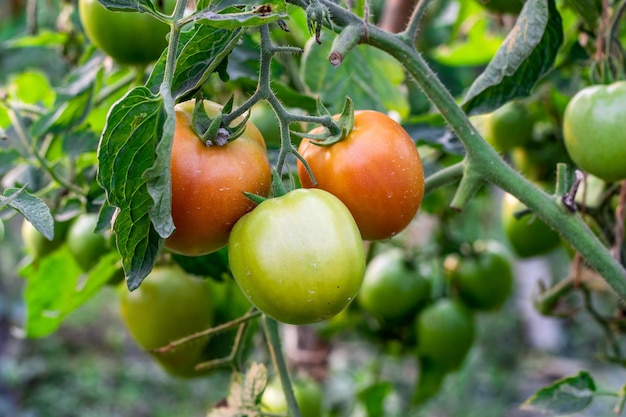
{"x": 79, "y": 133}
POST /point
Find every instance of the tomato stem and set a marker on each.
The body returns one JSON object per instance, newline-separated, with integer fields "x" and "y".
{"x": 484, "y": 163}
{"x": 274, "y": 345}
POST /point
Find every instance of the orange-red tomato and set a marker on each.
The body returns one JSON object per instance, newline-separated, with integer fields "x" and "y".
{"x": 208, "y": 183}
{"x": 376, "y": 171}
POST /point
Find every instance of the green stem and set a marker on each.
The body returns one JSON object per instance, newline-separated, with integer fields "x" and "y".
{"x": 416, "y": 19}
{"x": 444, "y": 176}
{"x": 272, "y": 333}
{"x": 208, "y": 332}
{"x": 482, "y": 158}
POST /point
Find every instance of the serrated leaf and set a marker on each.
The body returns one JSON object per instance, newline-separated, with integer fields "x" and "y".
{"x": 56, "y": 286}
{"x": 256, "y": 380}
{"x": 126, "y": 152}
{"x": 526, "y": 55}
{"x": 235, "y": 17}
{"x": 366, "y": 75}
{"x": 32, "y": 208}
{"x": 73, "y": 101}
{"x": 566, "y": 396}
{"x": 200, "y": 52}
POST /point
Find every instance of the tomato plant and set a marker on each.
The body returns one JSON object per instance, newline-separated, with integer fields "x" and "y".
{"x": 392, "y": 287}
{"x": 376, "y": 171}
{"x": 119, "y": 137}
{"x": 528, "y": 235}
{"x": 130, "y": 38}
{"x": 445, "y": 333}
{"x": 298, "y": 258}
{"x": 483, "y": 278}
{"x": 592, "y": 130}
{"x": 86, "y": 245}
{"x": 168, "y": 306}
{"x": 208, "y": 183}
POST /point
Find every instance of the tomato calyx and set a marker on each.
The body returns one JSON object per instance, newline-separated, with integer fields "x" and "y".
{"x": 339, "y": 129}
{"x": 317, "y": 15}
{"x": 212, "y": 132}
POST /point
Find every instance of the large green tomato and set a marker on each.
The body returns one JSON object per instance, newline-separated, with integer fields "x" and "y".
{"x": 593, "y": 130}
{"x": 308, "y": 395}
{"x": 299, "y": 258}
{"x": 130, "y": 38}
{"x": 445, "y": 332}
{"x": 484, "y": 278}
{"x": 86, "y": 245}
{"x": 169, "y": 305}
{"x": 528, "y": 235}
{"x": 37, "y": 245}
{"x": 392, "y": 287}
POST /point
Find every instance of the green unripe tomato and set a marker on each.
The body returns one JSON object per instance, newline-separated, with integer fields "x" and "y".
{"x": 169, "y": 305}
{"x": 593, "y": 130}
{"x": 130, "y": 38}
{"x": 307, "y": 392}
{"x": 445, "y": 332}
{"x": 508, "y": 127}
{"x": 529, "y": 236}
{"x": 392, "y": 288}
{"x": 86, "y": 245}
{"x": 484, "y": 278}
{"x": 298, "y": 258}
{"x": 36, "y": 244}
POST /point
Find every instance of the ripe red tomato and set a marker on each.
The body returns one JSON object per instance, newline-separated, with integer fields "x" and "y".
{"x": 208, "y": 183}
{"x": 376, "y": 171}
{"x": 299, "y": 258}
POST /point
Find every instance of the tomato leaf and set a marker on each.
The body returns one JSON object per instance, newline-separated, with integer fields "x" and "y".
{"x": 254, "y": 384}
{"x": 366, "y": 75}
{"x": 566, "y": 396}
{"x": 57, "y": 286}
{"x": 525, "y": 56}
{"x": 199, "y": 53}
{"x": 32, "y": 208}
{"x": 73, "y": 101}
{"x": 128, "y": 5}
{"x": 129, "y": 171}
{"x": 235, "y": 17}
